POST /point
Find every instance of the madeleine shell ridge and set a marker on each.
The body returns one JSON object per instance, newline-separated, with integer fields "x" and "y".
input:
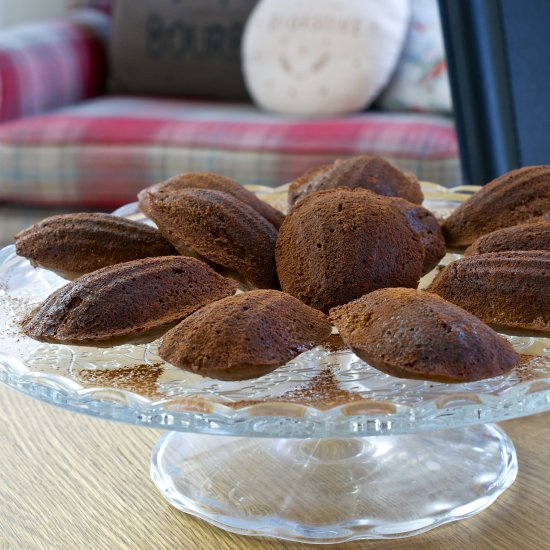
{"x": 517, "y": 197}
{"x": 507, "y": 290}
{"x": 215, "y": 182}
{"x": 222, "y": 230}
{"x": 74, "y": 244}
{"x": 132, "y": 301}
{"x": 527, "y": 236}
{"x": 362, "y": 171}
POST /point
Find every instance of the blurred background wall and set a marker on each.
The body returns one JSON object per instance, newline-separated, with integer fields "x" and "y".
{"x": 20, "y": 11}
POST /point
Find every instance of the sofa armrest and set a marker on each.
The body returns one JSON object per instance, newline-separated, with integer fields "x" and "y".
{"x": 52, "y": 64}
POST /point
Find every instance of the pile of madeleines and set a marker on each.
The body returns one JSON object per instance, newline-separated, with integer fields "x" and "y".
{"x": 349, "y": 253}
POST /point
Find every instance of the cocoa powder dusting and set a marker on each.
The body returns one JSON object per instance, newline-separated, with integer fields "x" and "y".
{"x": 141, "y": 379}
{"x": 334, "y": 342}
{"x": 532, "y": 367}
{"x": 322, "y": 392}
{"x": 19, "y": 310}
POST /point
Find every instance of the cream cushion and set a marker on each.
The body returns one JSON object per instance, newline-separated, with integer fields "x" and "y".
{"x": 321, "y": 57}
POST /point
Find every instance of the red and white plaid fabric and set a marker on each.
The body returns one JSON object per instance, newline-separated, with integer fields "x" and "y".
{"x": 102, "y": 151}
{"x": 50, "y": 64}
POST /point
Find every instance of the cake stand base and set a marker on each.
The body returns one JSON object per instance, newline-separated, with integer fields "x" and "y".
{"x": 335, "y": 490}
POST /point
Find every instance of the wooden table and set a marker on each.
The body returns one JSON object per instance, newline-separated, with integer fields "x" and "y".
{"x": 68, "y": 481}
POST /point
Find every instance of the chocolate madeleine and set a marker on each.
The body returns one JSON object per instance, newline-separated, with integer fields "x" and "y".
{"x": 414, "y": 334}
{"x": 339, "y": 244}
{"x": 363, "y": 171}
{"x": 207, "y": 180}
{"x": 130, "y": 302}
{"x": 527, "y": 236}
{"x": 507, "y": 290}
{"x": 74, "y": 244}
{"x": 220, "y": 229}
{"x": 244, "y": 336}
{"x": 424, "y": 223}
{"x": 517, "y": 197}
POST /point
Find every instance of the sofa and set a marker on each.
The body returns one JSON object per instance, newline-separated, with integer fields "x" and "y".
{"x": 68, "y": 145}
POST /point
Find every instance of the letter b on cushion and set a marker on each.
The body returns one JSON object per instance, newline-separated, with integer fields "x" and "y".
{"x": 319, "y": 57}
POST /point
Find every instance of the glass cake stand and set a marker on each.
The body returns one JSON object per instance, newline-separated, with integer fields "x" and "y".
{"x": 324, "y": 449}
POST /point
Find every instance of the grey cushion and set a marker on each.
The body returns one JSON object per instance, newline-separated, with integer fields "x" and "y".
{"x": 178, "y": 48}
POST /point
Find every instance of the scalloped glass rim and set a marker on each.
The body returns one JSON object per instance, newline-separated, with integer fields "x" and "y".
{"x": 424, "y": 406}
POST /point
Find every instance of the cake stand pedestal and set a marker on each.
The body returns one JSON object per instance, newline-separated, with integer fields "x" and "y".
{"x": 335, "y": 490}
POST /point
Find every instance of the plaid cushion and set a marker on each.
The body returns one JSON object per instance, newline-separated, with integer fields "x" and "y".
{"x": 47, "y": 65}
{"x": 102, "y": 151}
